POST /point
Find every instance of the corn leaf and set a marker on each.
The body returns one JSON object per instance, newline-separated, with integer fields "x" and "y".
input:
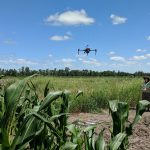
{"x": 11, "y": 98}
{"x": 79, "y": 93}
{"x": 86, "y": 142}
{"x": 72, "y": 129}
{"x": 46, "y": 90}
{"x": 117, "y": 141}
{"x": 100, "y": 143}
{"x": 89, "y": 128}
{"x": 113, "y": 105}
{"x": 140, "y": 109}
{"x": 38, "y": 116}
{"x": 68, "y": 146}
{"x": 25, "y": 133}
{"x": 49, "y": 99}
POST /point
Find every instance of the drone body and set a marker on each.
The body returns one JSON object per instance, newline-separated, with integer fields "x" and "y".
{"x": 87, "y": 50}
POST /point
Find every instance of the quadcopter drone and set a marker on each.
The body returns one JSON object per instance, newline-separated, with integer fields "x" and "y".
{"x": 87, "y": 50}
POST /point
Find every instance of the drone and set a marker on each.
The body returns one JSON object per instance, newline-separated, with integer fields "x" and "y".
{"x": 87, "y": 50}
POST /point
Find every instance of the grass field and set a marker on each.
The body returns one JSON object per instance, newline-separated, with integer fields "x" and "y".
{"x": 97, "y": 90}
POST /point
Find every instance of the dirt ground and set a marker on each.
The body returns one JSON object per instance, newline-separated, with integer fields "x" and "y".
{"x": 140, "y": 140}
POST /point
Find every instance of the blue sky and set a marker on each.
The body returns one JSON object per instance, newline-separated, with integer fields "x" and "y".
{"x": 45, "y": 34}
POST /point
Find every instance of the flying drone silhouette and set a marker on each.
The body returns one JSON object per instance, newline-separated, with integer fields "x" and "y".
{"x": 87, "y": 50}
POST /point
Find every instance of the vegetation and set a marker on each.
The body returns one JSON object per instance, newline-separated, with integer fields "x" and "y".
{"x": 120, "y": 112}
{"x": 97, "y": 90}
{"x": 26, "y": 71}
{"x": 28, "y": 122}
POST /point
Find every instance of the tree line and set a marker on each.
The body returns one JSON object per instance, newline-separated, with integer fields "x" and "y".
{"x": 26, "y": 71}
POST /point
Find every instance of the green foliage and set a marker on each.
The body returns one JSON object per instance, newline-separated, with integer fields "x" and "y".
{"x": 117, "y": 141}
{"x": 100, "y": 143}
{"x": 1, "y": 76}
{"x": 120, "y": 112}
{"x": 28, "y": 121}
{"x": 97, "y": 90}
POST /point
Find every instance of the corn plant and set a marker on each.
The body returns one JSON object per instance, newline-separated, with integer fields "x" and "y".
{"x": 121, "y": 130}
{"x": 27, "y": 122}
{"x": 85, "y": 139}
{"x": 120, "y": 113}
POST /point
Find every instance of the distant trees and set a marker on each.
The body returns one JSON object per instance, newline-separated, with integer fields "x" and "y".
{"x": 26, "y": 71}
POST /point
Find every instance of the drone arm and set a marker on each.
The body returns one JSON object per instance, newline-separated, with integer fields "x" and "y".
{"x": 81, "y": 50}
{"x": 95, "y": 51}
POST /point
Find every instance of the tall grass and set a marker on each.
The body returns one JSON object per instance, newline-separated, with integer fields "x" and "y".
{"x": 97, "y": 90}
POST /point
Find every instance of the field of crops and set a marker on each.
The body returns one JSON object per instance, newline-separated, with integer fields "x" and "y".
{"x": 34, "y": 114}
{"x": 97, "y": 91}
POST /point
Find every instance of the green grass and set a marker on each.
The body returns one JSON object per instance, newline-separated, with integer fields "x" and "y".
{"x": 97, "y": 90}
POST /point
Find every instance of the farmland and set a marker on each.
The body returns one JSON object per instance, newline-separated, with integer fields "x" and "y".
{"x": 34, "y": 113}
{"x": 140, "y": 140}
{"x": 97, "y": 91}
{"x": 74, "y": 75}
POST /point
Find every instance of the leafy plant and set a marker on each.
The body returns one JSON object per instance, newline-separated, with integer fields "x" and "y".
{"x": 120, "y": 113}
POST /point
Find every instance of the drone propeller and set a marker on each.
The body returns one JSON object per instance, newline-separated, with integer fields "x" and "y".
{"x": 78, "y": 51}
{"x": 95, "y": 51}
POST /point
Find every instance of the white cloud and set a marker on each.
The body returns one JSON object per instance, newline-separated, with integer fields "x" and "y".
{"x": 75, "y": 17}
{"x": 111, "y": 53}
{"x": 148, "y": 38}
{"x": 117, "y": 58}
{"x": 50, "y": 55}
{"x": 60, "y": 38}
{"x": 117, "y": 19}
{"x": 117, "y": 65}
{"x": 141, "y": 50}
{"x": 141, "y": 57}
{"x": 81, "y": 55}
{"x": 148, "y": 63}
{"x": 131, "y": 62}
{"x": 147, "y": 55}
{"x": 80, "y": 59}
{"x": 90, "y": 61}
{"x": 124, "y": 62}
{"x": 18, "y": 61}
{"x": 24, "y": 62}
{"x": 67, "y": 62}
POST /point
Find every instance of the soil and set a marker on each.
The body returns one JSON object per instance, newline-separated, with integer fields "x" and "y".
{"x": 140, "y": 140}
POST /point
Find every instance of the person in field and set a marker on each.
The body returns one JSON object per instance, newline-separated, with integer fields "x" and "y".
{"x": 146, "y": 89}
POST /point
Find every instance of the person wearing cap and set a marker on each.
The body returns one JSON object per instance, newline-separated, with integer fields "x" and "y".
{"x": 146, "y": 89}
